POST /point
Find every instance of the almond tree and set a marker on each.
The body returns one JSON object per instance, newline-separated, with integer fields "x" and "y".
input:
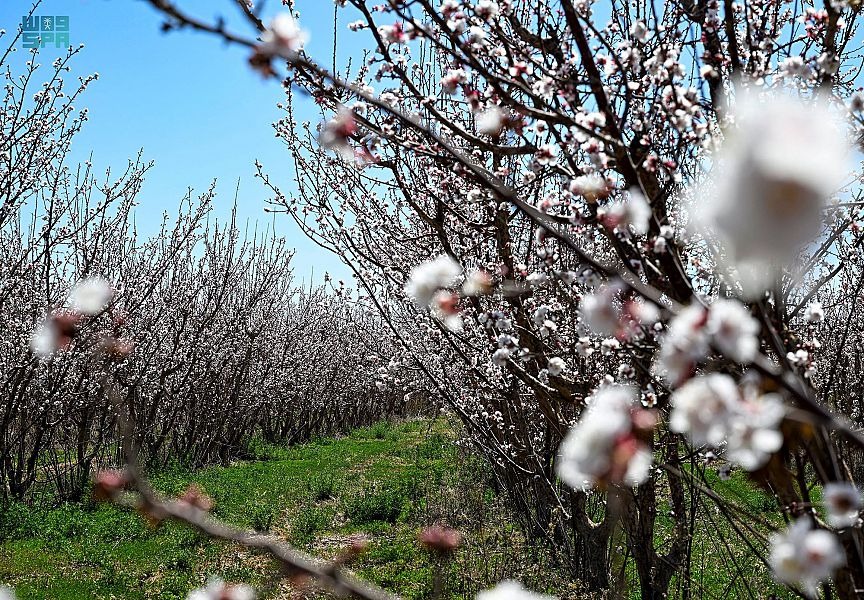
{"x": 210, "y": 342}
{"x": 608, "y": 234}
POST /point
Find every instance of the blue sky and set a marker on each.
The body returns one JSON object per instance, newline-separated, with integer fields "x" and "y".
{"x": 189, "y": 101}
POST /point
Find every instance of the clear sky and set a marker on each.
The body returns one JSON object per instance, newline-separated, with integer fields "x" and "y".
{"x": 189, "y": 101}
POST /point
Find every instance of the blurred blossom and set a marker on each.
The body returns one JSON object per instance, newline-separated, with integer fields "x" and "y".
{"x": 453, "y": 79}
{"x": 701, "y": 409}
{"x": 599, "y": 310}
{"x": 91, "y": 296}
{"x": 794, "y": 66}
{"x": 216, "y": 589}
{"x": 6, "y": 593}
{"x": 815, "y": 313}
{"x": 591, "y": 187}
{"x": 440, "y": 539}
{"x": 754, "y": 430}
{"x": 727, "y": 324}
{"x": 546, "y": 154}
{"x": 556, "y": 366}
{"x": 642, "y": 312}
{"x": 445, "y": 308}
{"x": 733, "y": 329}
{"x": 805, "y": 556}
{"x": 607, "y": 313}
{"x": 195, "y": 497}
{"x": 116, "y": 347}
{"x": 429, "y": 277}
{"x": 634, "y": 212}
{"x": 537, "y": 279}
{"x": 55, "y": 333}
{"x": 602, "y": 448}
{"x": 337, "y": 132}
{"x": 487, "y": 9}
{"x": 711, "y": 410}
{"x": 608, "y": 346}
{"x": 511, "y": 590}
{"x": 88, "y": 298}
{"x": 109, "y": 482}
{"x": 686, "y": 342}
{"x": 843, "y": 504}
{"x": 501, "y": 356}
{"x": 660, "y": 245}
{"x": 802, "y": 360}
{"x": 392, "y": 34}
{"x": 639, "y": 31}
{"x": 43, "y": 341}
{"x": 284, "y": 37}
{"x": 490, "y": 122}
{"x": 478, "y": 283}
{"x": 584, "y": 347}
{"x": 778, "y": 165}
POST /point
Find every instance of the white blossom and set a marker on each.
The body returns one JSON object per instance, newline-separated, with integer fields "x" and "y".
{"x": 591, "y": 187}
{"x": 585, "y": 347}
{"x": 639, "y": 31}
{"x": 794, "y": 66}
{"x": 712, "y": 409}
{"x": 556, "y": 366}
{"x": 216, "y": 589}
{"x": 43, "y": 340}
{"x": 686, "y": 343}
{"x": 608, "y": 346}
{"x": 633, "y": 212}
{"x": 546, "y": 154}
{"x": 708, "y": 72}
{"x": 544, "y": 87}
{"x": 284, "y": 36}
{"x": 511, "y": 590}
{"x": 602, "y": 446}
{"x": 453, "y": 79}
{"x": 775, "y": 171}
{"x": 487, "y": 9}
{"x": 815, "y": 313}
{"x": 427, "y": 278}
{"x": 754, "y": 433}
{"x": 91, "y": 296}
{"x": 476, "y": 35}
{"x": 843, "y": 504}
{"x": 802, "y": 359}
{"x": 733, "y": 329}
{"x": 805, "y": 556}
{"x": 490, "y": 122}
{"x": 537, "y": 279}
{"x": 702, "y": 409}
{"x": 501, "y": 356}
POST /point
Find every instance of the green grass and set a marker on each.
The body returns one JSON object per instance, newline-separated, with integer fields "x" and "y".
{"x": 383, "y": 483}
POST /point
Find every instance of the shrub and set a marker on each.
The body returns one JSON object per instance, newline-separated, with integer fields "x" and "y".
{"x": 376, "y": 504}
{"x": 261, "y": 517}
{"x": 379, "y": 430}
{"x": 322, "y": 487}
{"x": 310, "y": 520}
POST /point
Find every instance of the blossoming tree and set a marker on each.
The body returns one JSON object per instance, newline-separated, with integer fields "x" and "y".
{"x": 201, "y": 327}
{"x": 621, "y": 241}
